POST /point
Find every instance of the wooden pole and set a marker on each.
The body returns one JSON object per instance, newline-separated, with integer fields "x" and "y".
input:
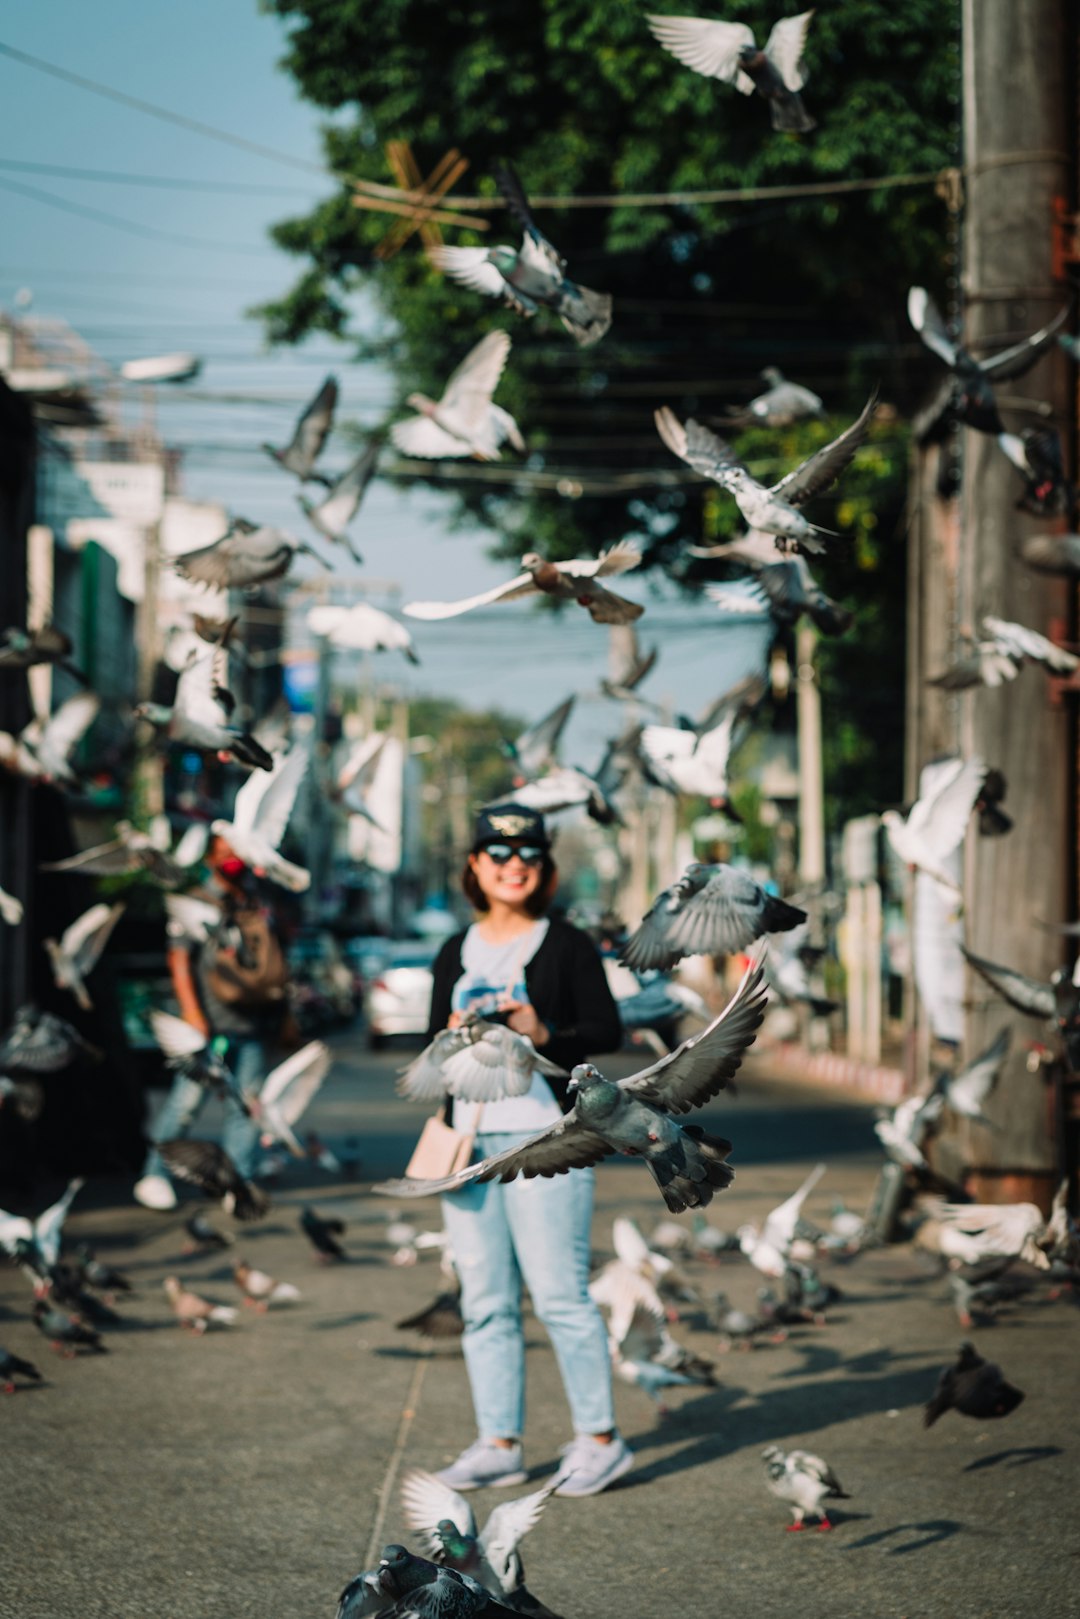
{"x": 1016, "y": 102}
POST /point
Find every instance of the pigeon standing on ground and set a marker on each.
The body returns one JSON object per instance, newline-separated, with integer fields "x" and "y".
{"x": 972, "y": 1386}
{"x": 464, "y": 421}
{"x": 450, "y": 1534}
{"x": 42, "y": 750}
{"x": 246, "y": 556}
{"x": 77, "y": 952}
{"x": 528, "y": 278}
{"x": 804, "y": 1481}
{"x": 711, "y": 911}
{"x": 194, "y": 1313}
{"x": 729, "y": 52}
{"x": 209, "y": 1167}
{"x": 773, "y": 509}
{"x": 577, "y": 581}
{"x": 12, "y": 1367}
{"x": 205, "y": 1237}
{"x": 105, "y": 1279}
{"x": 323, "y": 1235}
{"x": 332, "y": 515}
{"x": 635, "y": 1116}
{"x": 312, "y": 430}
{"x": 66, "y": 1333}
{"x": 260, "y": 817}
{"x": 936, "y": 823}
{"x": 441, "y": 1319}
{"x": 261, "y": 1290}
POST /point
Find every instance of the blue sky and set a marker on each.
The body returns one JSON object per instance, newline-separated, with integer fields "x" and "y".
{"x": 216, "y": 60}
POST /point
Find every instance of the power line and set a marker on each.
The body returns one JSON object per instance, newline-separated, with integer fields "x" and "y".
{"x": 160, "y": 181}
{"x": 204, "y": 244}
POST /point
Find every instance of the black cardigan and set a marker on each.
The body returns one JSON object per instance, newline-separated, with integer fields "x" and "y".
{"x": 568, "y": 987}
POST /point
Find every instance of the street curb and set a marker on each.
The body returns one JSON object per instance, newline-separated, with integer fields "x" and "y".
{"x": 829, "y": 1068}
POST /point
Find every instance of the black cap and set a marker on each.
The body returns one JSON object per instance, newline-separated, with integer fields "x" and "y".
{"x": 516, "y": 823}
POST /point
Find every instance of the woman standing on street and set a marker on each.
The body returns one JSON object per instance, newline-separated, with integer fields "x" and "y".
{"x": 547, "y": 981}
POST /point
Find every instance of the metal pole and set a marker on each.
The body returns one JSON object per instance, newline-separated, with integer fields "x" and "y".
{"x": 811, "y": 785}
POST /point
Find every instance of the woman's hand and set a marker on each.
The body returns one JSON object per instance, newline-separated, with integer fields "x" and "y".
{"x": 454, "y": 1020}
{"x": 523, "y": 1019}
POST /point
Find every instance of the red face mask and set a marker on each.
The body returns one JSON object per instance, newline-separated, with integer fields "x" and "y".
{"x": 231, "y": 866}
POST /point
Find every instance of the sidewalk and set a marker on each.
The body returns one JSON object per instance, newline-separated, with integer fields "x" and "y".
{"x": 249, "y": 1474}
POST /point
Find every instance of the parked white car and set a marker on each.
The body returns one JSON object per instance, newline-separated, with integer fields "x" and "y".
{"x": 398, "y": 999}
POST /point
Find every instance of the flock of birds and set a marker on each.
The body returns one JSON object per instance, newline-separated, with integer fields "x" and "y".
{"x": 711, "y": 909}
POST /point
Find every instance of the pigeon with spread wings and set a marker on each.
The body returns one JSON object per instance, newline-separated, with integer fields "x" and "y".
{"x": 132, "y": 850}
{"x": 361, "y": 628}
{"x": 636, "y": 1116}
{"x": 729, "y": 52}
{"x": 333, "y": 514}
{"x": 464, "y": 421}
{"x": 77, "y": 952}
{"x": 206, "y": 1165}
{"x": 775, "y": 508}
{"x": 312, "y": 430}
{"x": 201, "y": 713}
{"x": 260, "y": 816}
{"x": 42, "y": 750}
{"x": 289, "y": 1089}
{"x": 530, "y": 277}
{"x": 936, "y": 823}
{"x": 1000, "y": 652}
{"x": 448, "y": 1531}
{"x": 577, "y": 580}
{"x": 711, "y": 910}
{"x": 479, "y": 1061}
{"x": 246, "y": 556}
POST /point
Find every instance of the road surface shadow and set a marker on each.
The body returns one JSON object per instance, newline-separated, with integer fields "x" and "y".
{"x": 933, "y": 1531}
{"x": 1019, "y": 1457}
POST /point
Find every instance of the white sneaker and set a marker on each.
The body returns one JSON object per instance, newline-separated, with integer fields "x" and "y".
{"x": 155, "y": 1192}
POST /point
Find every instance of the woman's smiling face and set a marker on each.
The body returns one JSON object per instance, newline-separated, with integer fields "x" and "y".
{"x": 510, "y": 883}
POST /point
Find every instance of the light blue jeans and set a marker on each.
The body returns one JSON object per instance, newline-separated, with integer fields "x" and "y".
{"x": 249, "y": 1062}
{"x": 536, "y": 1231}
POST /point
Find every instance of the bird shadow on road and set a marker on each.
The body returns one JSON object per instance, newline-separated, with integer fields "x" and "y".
{"x": 777, "y": 1415}
{"x": 820, "y": 1358}
{"x": 1018, "y": 1457}
{"x": 932, "y": 1531}
{"x": 331, "y": 1322}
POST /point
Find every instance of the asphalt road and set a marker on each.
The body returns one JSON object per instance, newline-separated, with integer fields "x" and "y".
{"x": 248, "y": 1475}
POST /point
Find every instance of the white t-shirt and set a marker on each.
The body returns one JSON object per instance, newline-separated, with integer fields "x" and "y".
{"x": 492, "y": 974}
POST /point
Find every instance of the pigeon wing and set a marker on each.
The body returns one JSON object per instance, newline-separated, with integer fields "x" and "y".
{"x": 565, "y": 1145}
{"x": 49, "y": 1225}
{"x": 88, "y": 935}
{"x": 710, "y": 48}
{"x": 822, "y": 468}
{"x": 420, "y": 436}
{"x": 69, "y": 724}
{"x": 363, "y": 761}
{"x": 314, "y": 424}
{"x": 499, "y": 1064}
{"x": 629, "y": 1244}
{"x": 926, "y": 318}
{"x": 702, "y": 1065}
{"x": 104, "y": 860}
{"x": 558, "y": 790}
{"x": 940, "y": 820}
{"x": 534, "y": 747}
{"x": 291, "y": 1086}
{"x": 468, "y": 392}
{"x": 618, "y": 558}
{"x": 426, "y": 1501}
{"x": 510, "y": 1522}
{"x": 521, "y": 586}
{"x": 785, "y": 47}
{"x": 339, "y": 508}
{"x": 968, "y": 1090}
{"x": 705, "y": 451}
{"x": 423, "y": 1080}
{"x": 722, "y": 918}
{"x": 280, "y": 786}
{"x": 202, "y": 1163}
{"x": 1013, "y": 362}
{"x": 176, "y": 1038}
{"x": 1026, "y": 994}
{"x": 192, "y": 845}
{"x": 196, "y": 691}
{"x": 1021, "y": 641}
{"x": 471, "y": 266}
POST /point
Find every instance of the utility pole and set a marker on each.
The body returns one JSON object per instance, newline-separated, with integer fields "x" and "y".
{"x": 811, "y": 784}
{"x": 1017, "y": 133}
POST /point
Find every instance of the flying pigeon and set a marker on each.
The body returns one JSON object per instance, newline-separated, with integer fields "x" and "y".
{"x": 12, "y": 1367}
{"x": 804, "y": 1481}
{"x": 1036, "y": 454}
{"x": 336, "y": 510}
{"x": 194, "y": 1313}
{"x": 971, "y": 399}
{"x": 672, "y": 1286}
{"x": 260, "y": 817}
{"x": 195, "y": 1055}
{"x": 41, "y": 1043}
{"x": 464, "y": 421}
{"x": 623, "y": 688}
{"x": 634, "y": 1116}
{"x": 42, "y": 750}
{"x": 646, "y": 1355}
{"x": 479, "y": 1061}
{"x": 710, "y": 911}
{"x": 787, "y": 972}
{"x": 35, "y": 1246}
{"x": 246, "y": 556}
{"x": 131, "y": 851}
{"x": 528, "y": 278}
{"x": 289, "y": 1089}
{"x": 27, "y": 1096}
{"x": 75, "y": 955}
{"x": 1058, "y": 1001}
{"x": 974, "y": 1387}
{"x": 201, "y": 714}
{"x": 11, "y": 909}
{"x": 904, "y": 1132}
{"x": 967, "y": 1091}
{"x": 773, "y": 509}
{"x": 783, "y": 404}
{"x": 361, "y": 628}
{"x": 449, "y": 1533}
{"x": 323, "y": 1234}
{"x": 729, "y": 52}
{"x": 972, "y": 1232}
{"x": 28, "y": 649}
{"x": 312, "y": 430}
{"x": 209, "y": 1167}
{"x": 357, "y": 775}
{"x": 769, "y": 1250}
{"x": 535, "y": 749}
{"x": 567, "y": 788}
{"x": 936, "y": 823}
{"x": 564, "y": 581}
{"x": 783, "y": 588}
{"x": 66, "y": 1333}
{"x": 999, "y": 654}
{"x": 262, "y": 1290}
{"x": 693, "y": 762}
{"x": 1054, "y": 554}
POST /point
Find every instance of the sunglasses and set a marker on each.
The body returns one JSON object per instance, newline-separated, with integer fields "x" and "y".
{"x": 528, "y": 853}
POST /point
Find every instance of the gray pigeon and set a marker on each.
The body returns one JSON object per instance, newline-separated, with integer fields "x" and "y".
{"x": 131, "y": 851}
{"x": 479, "y": 1061}
{"x": 774, "y": 509}
{"x": 450, "y": 1534}
{"x": 782, "y": 404}
{"x": 634, "y": 1116}
{"x": 998, "y": 654}
{"x": 418, "y": 1589}
{"x": 531, "y": 277}
{"x": 710, "y": 911}
{"x": 304, "y": 448}
{"x": 41, "y": 1043}
{"x": 77, "y": 952}
{"x": 209, "y": 1167}
{"x": 1055, "y": 554}
{"x": 246, "y": 556}
{"x": 190, "y": 1052}
{"x": 201, "y": 714}
{"x": 535, "y": 749}
{"x": 1058, "y": 1001}
{"x": 36, "y": 1245}
{"x": 728, "y": 51}
{"x": 804, "y": 1481}
{"x": 340, "y": 504}
{"x": 26, "y": 649}
{"x": 782, "y": 587}
{"x": 12, "y": 1367}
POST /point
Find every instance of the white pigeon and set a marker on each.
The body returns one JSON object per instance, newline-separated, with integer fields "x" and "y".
{"x": 79, "y": 949}
{"x": 357, "y": 775}
{"x": 565, "y": 788}
{"x": 632, "y": 1250}
{"x": 290, "y": 1088}
{"x": 1000, "y": 652}
{"x": 464, "y": 421}
{"x": 936, "y": 823}
{"x": 262, "y": 1290}
{"x": 428, "y": 1502}
{"x": 622, "y": 1289}
{"x": 42, "y": 750}
{"x": 645, "y": 1354}
{"x": 11, "y": 909}
{"x": 971, "y": 1232}
{"x": 774, "y": 509}
{"x": 361, "y": 628}
{"x": 133, "y": 850}
{"x": 728, "y": 51}
{"x": 689, "y": 762}
{"x": 577, "y": 580}
{"x": 966, "y": 1091}
{"x": 769, "y": 1249}
{"x": 260, "y": 817}
{"x": 201, "y": 713}
{"x": 187, "y": 917}
{"x": 478, "y": 1062}
{"x": 42, "y": 1235}
{"x": 336, "y": 510}
{"x": 904, "y": 1132}
{"x": 804, "y": 1481}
